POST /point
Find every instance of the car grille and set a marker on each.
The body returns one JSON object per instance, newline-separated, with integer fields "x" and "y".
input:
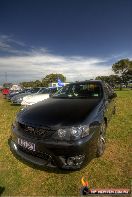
{"x": 40, "y": 155}
{"x": 40, "y": 132}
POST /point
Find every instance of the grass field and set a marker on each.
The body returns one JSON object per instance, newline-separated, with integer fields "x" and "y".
{"x": 112, "y": 170}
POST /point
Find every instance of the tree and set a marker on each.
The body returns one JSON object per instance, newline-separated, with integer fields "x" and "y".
{"x": 121, "y": 66}
{"x": 53, "y": 78}
{"x": 129, "y": 71}
{"x": 7, "y": 85}
{"x": 37, "y": 83}
{"x": 45, "y": 81}
{"x": 111, "y": 79}
{"x": 122, "y": 69}
{"x": 28, "y": 84}
{"x": 33, "y": 84}
{"x": 103, "y": 78}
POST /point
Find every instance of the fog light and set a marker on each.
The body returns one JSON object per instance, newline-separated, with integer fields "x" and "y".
{"x": 77, "y": 160}
{"x": 70, "y": 161}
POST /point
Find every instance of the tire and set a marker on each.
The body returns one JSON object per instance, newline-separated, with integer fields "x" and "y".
{"x": 101, "y": 140}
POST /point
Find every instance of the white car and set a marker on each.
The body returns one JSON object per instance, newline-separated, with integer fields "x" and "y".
{"x": 40, "y": 96}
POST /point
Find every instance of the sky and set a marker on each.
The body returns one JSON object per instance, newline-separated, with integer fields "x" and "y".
{"x": 80, "y": 39}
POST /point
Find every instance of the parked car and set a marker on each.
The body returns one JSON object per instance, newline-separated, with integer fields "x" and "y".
{"x": 16, "y": 87}
{"x": 68, "y": 129}
{"x": 17, "y": 99}
{"x": 40, "y": 96}
{"x": 5, "y": 91}
{"x": 14, "y": 93}
{"x": 130, "y": 84}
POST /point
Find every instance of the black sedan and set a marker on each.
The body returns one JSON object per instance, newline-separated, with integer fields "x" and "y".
{"x": 68, "y": 129}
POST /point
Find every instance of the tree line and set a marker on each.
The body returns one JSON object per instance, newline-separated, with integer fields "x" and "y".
{"x": 122, "y": 70}
{"x": 45, "y": 81}
{"x": 123, "y": 73}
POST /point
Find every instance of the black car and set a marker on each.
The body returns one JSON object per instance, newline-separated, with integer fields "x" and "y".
{"x": 68, "y": 129}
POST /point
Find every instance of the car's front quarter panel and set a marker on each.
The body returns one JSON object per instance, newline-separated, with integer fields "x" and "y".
{"x": 97, "y": 115}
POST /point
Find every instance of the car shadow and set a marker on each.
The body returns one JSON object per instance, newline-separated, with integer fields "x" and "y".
{"x": 2, "y": 189}
{"x": 13, "y": 104}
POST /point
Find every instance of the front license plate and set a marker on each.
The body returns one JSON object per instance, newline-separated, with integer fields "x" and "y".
{"x": 26, "y": 144}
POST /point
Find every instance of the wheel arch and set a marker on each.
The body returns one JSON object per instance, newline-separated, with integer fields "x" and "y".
{"x": 105, "y": 119}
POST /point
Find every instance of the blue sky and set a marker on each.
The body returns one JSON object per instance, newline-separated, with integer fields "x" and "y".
{"x": 78, "y": 38}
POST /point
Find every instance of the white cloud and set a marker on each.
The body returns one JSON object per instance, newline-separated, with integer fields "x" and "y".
{"x": 10, "y": 39}
{"x": 8, "y": 44}
{"x": 37, "y": 65}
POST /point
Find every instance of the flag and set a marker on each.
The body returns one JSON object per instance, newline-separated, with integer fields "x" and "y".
{"x": 60, "y": 83}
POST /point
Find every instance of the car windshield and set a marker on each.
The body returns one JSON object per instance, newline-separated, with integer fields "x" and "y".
{"x": 80, "y": 90}
{"x": 27, "y": 90}
{"x": 49, "y": 90}
{"x": 52, "y": 90}
{"x": 42, "y": 91}
{"x": 34, "y": 90}
{"x": 24, "y": 91}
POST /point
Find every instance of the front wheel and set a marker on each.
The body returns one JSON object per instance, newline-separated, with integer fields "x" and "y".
{"x": 101, "y": 140}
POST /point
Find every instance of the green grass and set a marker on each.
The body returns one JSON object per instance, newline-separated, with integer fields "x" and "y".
{"x": 112, "y": 170}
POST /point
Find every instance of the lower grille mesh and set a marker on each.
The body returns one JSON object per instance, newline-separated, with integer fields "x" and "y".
{"x": 41, "y": 155}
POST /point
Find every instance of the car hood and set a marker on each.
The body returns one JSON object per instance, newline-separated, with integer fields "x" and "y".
{"x": 36, "y": 96}
{"x": 29, "y": 95}
{"x": 58, "y": 112}
{"x": 20, "y": 96}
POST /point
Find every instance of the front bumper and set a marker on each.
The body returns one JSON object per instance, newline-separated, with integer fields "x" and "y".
{"x": 56, "y": 154}
{"x": 25, "y": 104}
{"x": 19, "y": 153}
{"x": 16, "y": 102}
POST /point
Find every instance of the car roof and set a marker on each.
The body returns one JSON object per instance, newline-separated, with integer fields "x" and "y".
{"x": 87, "y": 81}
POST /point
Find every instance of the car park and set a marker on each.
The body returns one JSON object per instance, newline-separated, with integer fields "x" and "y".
{"x": 14, "y": 93}
{"x": 17, "y": 99}
{"x": 68, "y": 129}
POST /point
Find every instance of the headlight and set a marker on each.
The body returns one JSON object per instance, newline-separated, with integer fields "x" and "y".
{"x": 73, "y": 133}
{"x": 76, "y": 132}
{"x": 85, "y": 131}
{"x": 20, "y": 99}
{"x": 62, "y": 133}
